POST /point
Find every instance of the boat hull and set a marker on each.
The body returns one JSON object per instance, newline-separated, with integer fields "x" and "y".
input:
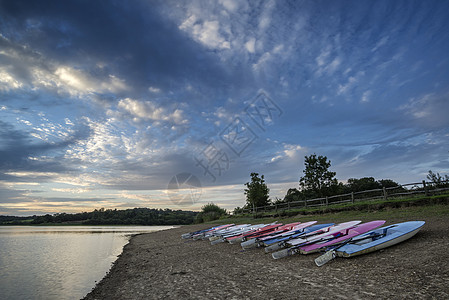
{"x": 399, "y": 235}
{"x": 347, "y": 234}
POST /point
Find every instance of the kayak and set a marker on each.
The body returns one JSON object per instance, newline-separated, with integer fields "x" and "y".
{"x": 241, "y": 238}
{"x": 295, "y": 229}
{"x": 191, "y": 234}
{"x": 243, "y": 230}
{"x": 279, "y": 242}
{"x": 202, "y": 235}
{"x": 279, "y": 229}
{"x": 252, "y": 241}
{"x": 313, "y": 237}
{"x": 216, "y": 239}
{"x": 341, "y": 236}
{"x": 221, "y": 232}
{"x": 322, "y": 233}
{"x": 374, "y": 240}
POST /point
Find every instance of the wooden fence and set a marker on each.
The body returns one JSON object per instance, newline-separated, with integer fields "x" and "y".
{"x": 401, "y": 191}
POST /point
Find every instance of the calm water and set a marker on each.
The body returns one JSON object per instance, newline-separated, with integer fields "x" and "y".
{"x": 59, "y": 262}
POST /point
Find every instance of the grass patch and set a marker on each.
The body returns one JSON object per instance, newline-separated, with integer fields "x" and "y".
{"x": 372, "y": 205}
{"x": 418, "y": 208}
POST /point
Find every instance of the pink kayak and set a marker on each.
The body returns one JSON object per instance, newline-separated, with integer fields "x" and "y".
{"x": 310, "y": 238}
{"x": 241, "y": 237}
{"x": 320, "y": 234}
{"x": 295, "y": 228}
{"x": 280, "y": 229}
{"x": 338, "y": 237}
{"x": 252, "y": 241}
{"x": 210, "y": 231}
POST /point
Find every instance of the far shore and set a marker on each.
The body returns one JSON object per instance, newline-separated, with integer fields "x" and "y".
{"x": 162, "y": 265}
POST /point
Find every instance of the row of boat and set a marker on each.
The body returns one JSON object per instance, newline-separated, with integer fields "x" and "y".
{"x": 336, "y": 240}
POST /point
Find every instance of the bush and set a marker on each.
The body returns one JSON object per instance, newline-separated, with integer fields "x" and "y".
{"x": 210, "y": 212}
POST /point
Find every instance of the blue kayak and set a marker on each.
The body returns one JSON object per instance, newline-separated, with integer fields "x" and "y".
{"x": 373, "y": 240}
{"x": 380, "y": 238}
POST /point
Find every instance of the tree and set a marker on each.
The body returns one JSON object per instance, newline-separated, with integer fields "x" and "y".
{"x": 210, "y": 212}
{"x": 256, "y": 192}
{"x": 213, "y": 208}
{"x": 238, "y": 210}
{"x": 317, "y": 179}
{"x": 293, "y": 194}
{"x": 438, "y": 180}
{"x": 363, "y": 184}
{"x": 388, "y": 183}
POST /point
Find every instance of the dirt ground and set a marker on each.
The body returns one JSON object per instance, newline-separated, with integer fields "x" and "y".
{"x": 162, "y": 265}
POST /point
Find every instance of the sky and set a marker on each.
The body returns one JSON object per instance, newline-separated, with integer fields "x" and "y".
{"x": 172, "y": 104}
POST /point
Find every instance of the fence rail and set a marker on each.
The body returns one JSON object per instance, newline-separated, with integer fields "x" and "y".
{"x": 408, "y": 189}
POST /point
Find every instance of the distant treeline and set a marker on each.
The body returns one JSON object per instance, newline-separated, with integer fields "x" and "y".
{"x": 13, "y": 220}
{"x": 136, "y": 216}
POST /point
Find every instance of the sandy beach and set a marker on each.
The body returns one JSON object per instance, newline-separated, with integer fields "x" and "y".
{"x": 162, "y": 265}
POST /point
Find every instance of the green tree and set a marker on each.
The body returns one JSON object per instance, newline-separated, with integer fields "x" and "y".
{"x": 388, "y": 183}
{"x": 213, "y": 208}
{"x": 317, "y": 179}
{"x": 438, "y": 180}
{"x": 363, "y": 184}
{"x": 210, "y": 212}
{"x": 256, "y": 192}
{"x": 293, "y": 194}
{"x": 238, "y": 210}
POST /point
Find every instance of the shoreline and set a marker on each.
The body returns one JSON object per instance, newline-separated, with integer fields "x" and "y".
{"x": 161, "y": 265}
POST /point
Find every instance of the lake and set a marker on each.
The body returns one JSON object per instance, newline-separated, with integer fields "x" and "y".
{"x": 59, "y": 262}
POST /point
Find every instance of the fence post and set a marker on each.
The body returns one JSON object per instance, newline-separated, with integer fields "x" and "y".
{"x": 352, "y": 197}
{"x": 327, "y": 201}
{"x": 385, "y": 193}
{"x": 288, "y": 205}
{"x": 275, "y": 207}
{"x": 425, "y": 188}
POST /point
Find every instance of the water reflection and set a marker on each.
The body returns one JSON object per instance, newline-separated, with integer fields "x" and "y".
{"x": 79, "y": 229}
{"x": 59, "y": 262}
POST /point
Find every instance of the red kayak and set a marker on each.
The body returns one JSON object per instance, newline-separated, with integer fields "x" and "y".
{"x": 239, "y": 238}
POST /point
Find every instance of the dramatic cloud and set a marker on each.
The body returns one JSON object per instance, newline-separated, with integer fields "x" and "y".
{"x": 429, "y": 110}
{"x": 147, "y": 110}
{"x": 103, "y": 103}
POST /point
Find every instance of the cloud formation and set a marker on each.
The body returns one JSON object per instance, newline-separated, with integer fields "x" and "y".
{"x": 101, "y": 104}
